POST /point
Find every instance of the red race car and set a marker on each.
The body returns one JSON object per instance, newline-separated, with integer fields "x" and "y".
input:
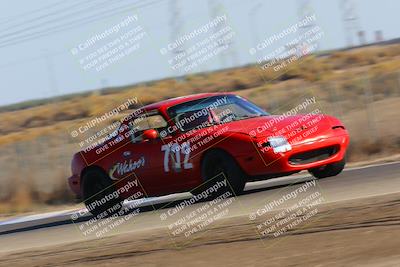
{"x": 180, "y": 144}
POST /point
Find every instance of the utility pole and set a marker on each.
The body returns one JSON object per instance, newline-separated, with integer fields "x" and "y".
{"x": 51, "y": 73}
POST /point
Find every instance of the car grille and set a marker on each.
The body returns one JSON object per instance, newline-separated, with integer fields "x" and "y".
{"x": 313, "y": 155}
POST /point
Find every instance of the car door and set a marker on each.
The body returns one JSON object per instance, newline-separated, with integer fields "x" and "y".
{"x": 161, "y": 165}
{"x": 168, "y": 167}
{"x": 149, "y": 150}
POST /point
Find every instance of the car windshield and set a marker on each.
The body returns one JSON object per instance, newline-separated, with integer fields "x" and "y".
{"x": 213, "y": 110}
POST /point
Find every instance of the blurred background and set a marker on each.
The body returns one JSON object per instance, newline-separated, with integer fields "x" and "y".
{"x": 67, "y": 62}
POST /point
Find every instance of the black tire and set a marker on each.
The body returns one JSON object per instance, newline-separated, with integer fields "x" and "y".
{"x": 96, "y": 186}
{"x": 216, "y": 162}
{"x": 329, "y": 170}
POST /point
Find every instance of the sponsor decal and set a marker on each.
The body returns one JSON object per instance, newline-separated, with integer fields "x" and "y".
{"x": 122, "y": 168}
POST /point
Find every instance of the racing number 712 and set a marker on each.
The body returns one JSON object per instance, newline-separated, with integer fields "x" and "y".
{"x": 177, "y": 150}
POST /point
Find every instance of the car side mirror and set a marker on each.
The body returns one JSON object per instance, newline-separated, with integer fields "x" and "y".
{"x": 150, "y": 134}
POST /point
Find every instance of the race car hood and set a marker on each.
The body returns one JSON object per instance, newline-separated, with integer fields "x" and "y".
{"x": 298, "y": 128}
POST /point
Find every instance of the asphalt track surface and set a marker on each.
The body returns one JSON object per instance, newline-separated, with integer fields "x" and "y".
{"x": 356, "y": 183}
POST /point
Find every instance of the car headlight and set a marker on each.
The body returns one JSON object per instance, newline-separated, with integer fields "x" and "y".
{"x": 279, "y": 144}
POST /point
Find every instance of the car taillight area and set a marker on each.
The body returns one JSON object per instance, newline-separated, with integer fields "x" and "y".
{"x": 74, "y": 184}
{"x": 313, "y": 155}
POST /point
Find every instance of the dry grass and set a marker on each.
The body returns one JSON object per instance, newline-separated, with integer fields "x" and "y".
{"x": 25, "y": 196}
{"x": 346, "y": 84}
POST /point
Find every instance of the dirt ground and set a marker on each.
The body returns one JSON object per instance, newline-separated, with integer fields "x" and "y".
{"x": 362, "y": 232}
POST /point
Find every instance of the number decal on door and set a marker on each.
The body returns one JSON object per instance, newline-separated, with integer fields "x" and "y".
{"x": 175, "y": 151}
{"x": 186, "y": 152}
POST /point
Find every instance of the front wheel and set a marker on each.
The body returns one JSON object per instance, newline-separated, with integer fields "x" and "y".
{"x": 328, "y": 170}
{"x": 218, "y": 167}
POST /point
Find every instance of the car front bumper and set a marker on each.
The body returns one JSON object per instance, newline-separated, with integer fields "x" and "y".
{"x": 302, "y": 156}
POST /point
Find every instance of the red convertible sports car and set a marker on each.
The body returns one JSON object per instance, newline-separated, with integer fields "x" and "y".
{"x": 181, "y": 144}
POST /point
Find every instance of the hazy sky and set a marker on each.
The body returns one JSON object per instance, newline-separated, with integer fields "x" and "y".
{"x": 44, "y": 66}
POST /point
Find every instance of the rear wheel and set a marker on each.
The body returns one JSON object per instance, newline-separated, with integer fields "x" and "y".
{"x": 100, "y": 194}
{"x": 218, "y": 165}
{"x": 329, "y": 170}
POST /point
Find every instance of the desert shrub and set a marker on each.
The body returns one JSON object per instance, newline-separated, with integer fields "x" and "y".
{"x": 386, "y": 84}
{"x": 238, "y": 85}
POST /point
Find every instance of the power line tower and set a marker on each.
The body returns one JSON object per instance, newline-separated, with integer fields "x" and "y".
{"x": 350, "y": 20}
{"x": 177, "y": 30}
{"x": 217, "y": 9}
{"x": 307, "y": 32}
